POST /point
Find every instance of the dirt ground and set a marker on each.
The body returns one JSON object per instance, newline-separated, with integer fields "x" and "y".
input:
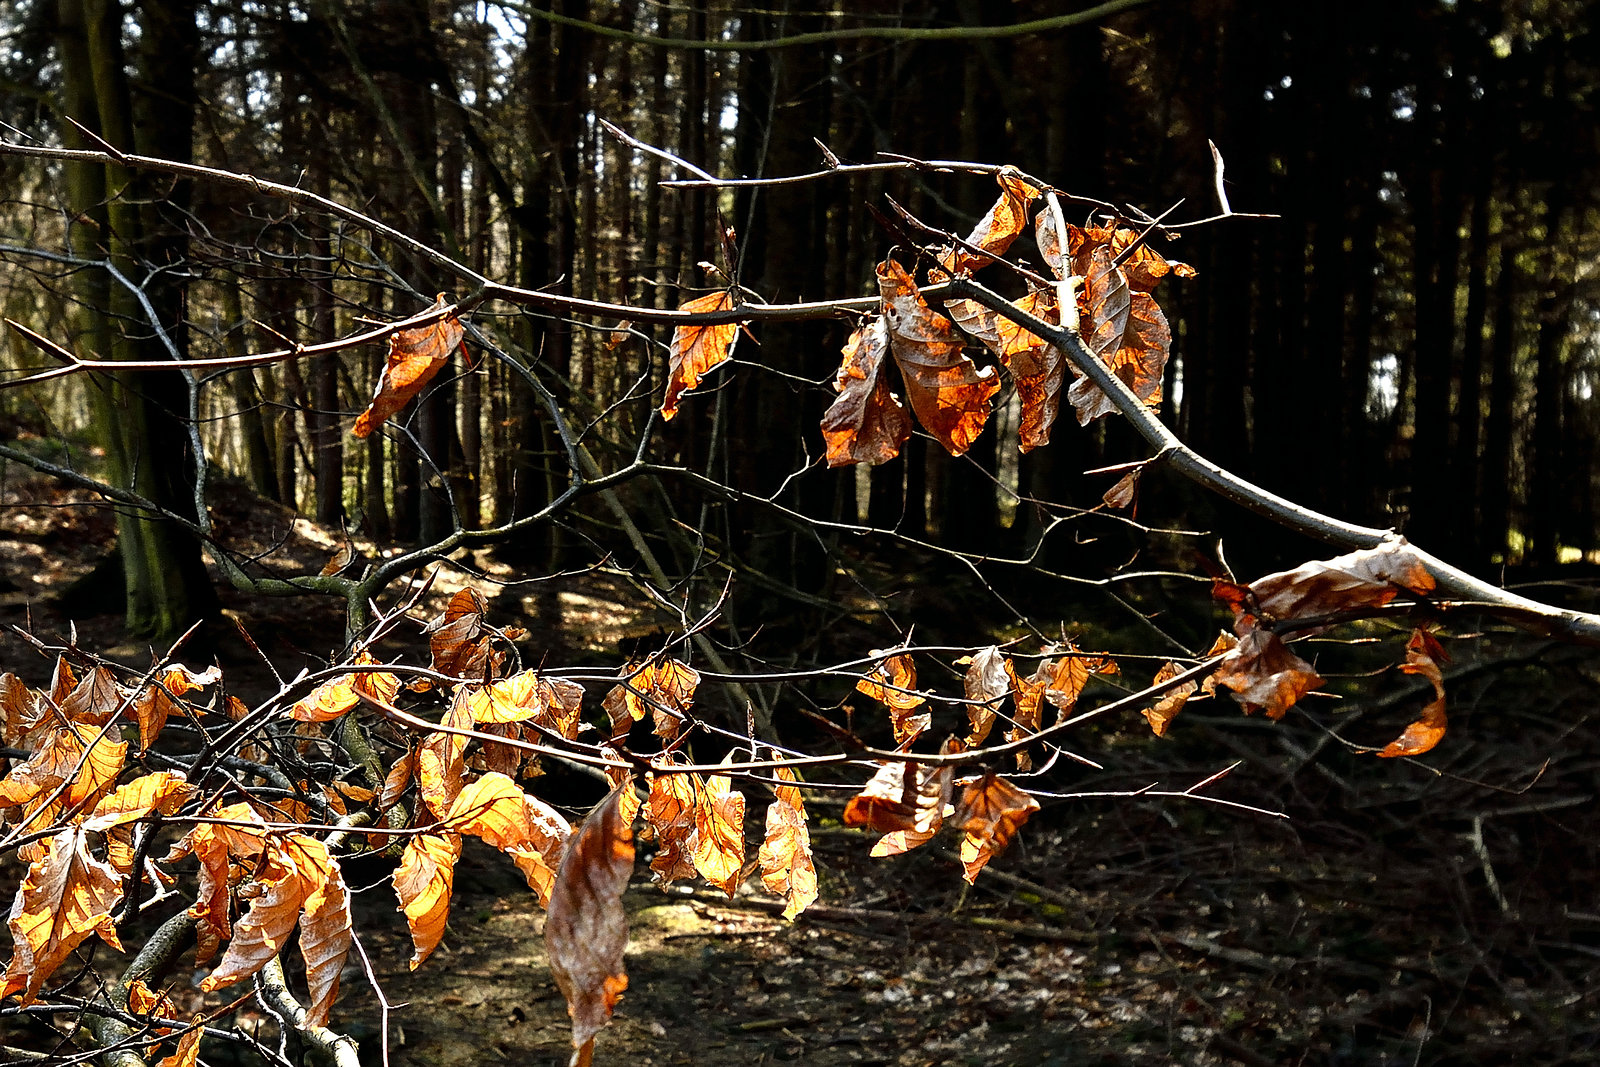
{"x": 1437, "y": 912}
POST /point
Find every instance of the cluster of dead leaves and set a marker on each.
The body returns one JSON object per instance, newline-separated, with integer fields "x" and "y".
{"x": 1264, "y": 674}
{"x": 949, "y": 394}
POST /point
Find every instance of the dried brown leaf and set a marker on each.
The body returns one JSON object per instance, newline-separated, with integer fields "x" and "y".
{"x": 586, "y": 931}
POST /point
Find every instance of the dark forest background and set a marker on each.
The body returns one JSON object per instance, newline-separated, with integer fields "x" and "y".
{"x": 1411, "y": 343}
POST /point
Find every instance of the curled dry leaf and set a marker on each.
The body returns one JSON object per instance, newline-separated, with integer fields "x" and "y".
{"x": 1038, "y": 368}
{"x": 867, "y": 423}
{"x": 988, "y": 680}
{"x": 717, "y": 841}
{"x": 663, "y": 688}
{"x": 301, "y": 882}
{"x": 1126, "y": 330}
{"x": 1367, "y": 578}
{"x": 1423, "y": 656}
{"x": 187, "y": 1054}
{"x": 332, "y": 699}
{"x": 1263, "y": 673}
{"x": 786, "y": 864}
{"x": 66, "y": 896}
{"x": 586, "y": 931}
{"x": 1166, "y": 709}
{"x": 415, "y": 356}
{"x": 163, "y": 791}
{"x": 525, "y": 828}
{"x": 58, "y": 760}
{"x": 423, "y": 882}
{"x": 439, "y": 763}
{"x": 893, "y": 684}
{"x": 669, "y": 811}
{"x": 696, "y": 350}
{"x": 990, "y": 813}
{"x": 948, "y": 392}
{"x": 996, "y": 230}
{"x": 904, "y": 802}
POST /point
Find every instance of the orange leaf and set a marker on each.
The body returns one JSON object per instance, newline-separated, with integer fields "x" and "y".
{"x": 163, "y": 791}
{"x": 996, "y": 230}
{"x": 212, "y": 844}
{"x": 947, "y": 390}
{"x": 58, "y": 761}
{"x": 586, "y": 931}
{"x": 1038, "y": 368}
{"x": 66, "y": 896}
{"x": 439, "y": 762}
{"x": 717, "y": 842}
{"x": 1367, "y": 578}
{"x": 415, "y": 356}
{"x": 696, "y": 350}
{"x": 904, "y": 802}
{"x": 892, "y": 683}
{"x": 1423, "y": 655}
{"x": 325, "y": 936}
{"x": 1125, "y": 330}
{"x": 1263, "y": 673}
{"x": 867, "y": 423}
{"x": 422, "y": 882}
{"x": 988, "y": 680}
{"x": 786, "y": 866}
{"x": 297, "y": 875}
{"x": 95, "y": 699}
{"x": 1166, "y": 709}
{"x": 187, "y": 1053}
{"x": 990, "y": 813}
{"x": 664, "y": 689}
{"x": 395, "y": 782}
{"x": 669, "y": 811}
{"x": 523, "y": 827}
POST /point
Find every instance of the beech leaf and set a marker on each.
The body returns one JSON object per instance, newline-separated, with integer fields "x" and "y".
{"x": 867, "y": 423}
{"x": 990, "y": 813}
{"x": 717, "y": 841}
{"x": 66, "y": 896}
{"x": 423, "y": 882}
{"x": 586, "y": 931}
{"x": 948, "y": 392}
{"x": 787, "y": 868}
{"x": 1423, "y": 656}
{"x": 415, "y": 356}
{"x": 697, "y": 350}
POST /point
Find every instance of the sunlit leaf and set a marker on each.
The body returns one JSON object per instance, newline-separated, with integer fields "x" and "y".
{"x": 1127, "y": 331}
{"x": 867, "y": 423}
{"x": 1263, "y": 673}
{"x": 996, "y": 230}
{"x": 893, "y": 684}
{"x": 163, "y": 791}
{"x": 586, "y": 930}
{"x": 904, "y": 802}
{"x": 697, "y": 349}
{"x": 525, "y": 828}
{"x": 422, "y": 882}
{"x": 66, "y": 896}
{"x": 1423, "y": 656}
{"x": 1166, "y": 708}
{"x": 717, "y": 842}
{"x": 948, "y": 392}
{"x": 987, "y": 681}
{"x": 439, "y": 762}
{"x": 669, "y": 811}
{"x": 787, "y": 869}
{"x": 989, "y": 814}
{"x": 415, "y": 356}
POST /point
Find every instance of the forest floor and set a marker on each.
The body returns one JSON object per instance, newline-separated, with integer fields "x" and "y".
{"x": 1406, "y": 912}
